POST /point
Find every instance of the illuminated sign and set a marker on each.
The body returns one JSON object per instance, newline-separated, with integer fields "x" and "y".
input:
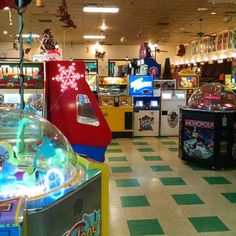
{"x": 141, "y": 85}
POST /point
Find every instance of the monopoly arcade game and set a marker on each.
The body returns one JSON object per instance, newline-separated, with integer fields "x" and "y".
{"x": 208, "y": 127}
{"x": 45, "y": 188}
{"x": 33, "y": 86}
{"x": 73, "y": 108}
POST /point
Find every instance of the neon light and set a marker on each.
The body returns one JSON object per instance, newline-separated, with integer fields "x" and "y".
{"x": 67, "y": 77}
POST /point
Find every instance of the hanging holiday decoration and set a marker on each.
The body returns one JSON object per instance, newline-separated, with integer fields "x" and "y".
{"x": 29, "y": 40}
{"x": 180, "y": 50}
{"x": 67, "y": 77}
{"x": 47, "y": 40}
{"x": 62, "y": 12}
{"x": 99, "y": 54}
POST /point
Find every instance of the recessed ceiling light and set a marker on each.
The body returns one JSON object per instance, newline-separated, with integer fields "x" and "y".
{"x": 202, "y": 9}
{"x": 94, "y": 36}
{"x": 213, "y": 13}
{"x": 97, "y": 9}
{"x": 103, "y": 26}
{"x": 5, "y": 32}
{"x": 6, "y": 8}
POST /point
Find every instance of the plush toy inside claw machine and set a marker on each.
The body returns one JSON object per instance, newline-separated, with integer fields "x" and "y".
{"x": 45, "y": 187}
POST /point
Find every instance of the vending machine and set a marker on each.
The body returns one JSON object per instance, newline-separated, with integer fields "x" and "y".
{"x": 171, "y": 102}
{"x": 116, "y": 105}
{"x": 146, "y": 106}
{"x": 34, "y": 84}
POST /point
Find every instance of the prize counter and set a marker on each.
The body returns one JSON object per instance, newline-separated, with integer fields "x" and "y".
{"x": 45, "y": 188}
{"x": 208, "y": 127}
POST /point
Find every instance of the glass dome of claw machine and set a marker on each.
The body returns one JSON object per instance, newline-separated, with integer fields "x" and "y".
{"x": 213, "y": 97}
{"x": 36, "y": 160}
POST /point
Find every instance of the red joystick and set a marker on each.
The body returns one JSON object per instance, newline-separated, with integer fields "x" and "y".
{"x": 38, "y": 142}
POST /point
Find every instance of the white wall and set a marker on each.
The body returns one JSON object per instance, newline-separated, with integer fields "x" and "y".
{"x": 88, "y": 52}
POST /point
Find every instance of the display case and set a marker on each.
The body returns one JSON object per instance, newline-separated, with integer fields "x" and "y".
{"x": 208, "y": 127}
{"x": 112, "y": 85}
{"x": 116, "y": 105}
{"x": 42, "y": 178}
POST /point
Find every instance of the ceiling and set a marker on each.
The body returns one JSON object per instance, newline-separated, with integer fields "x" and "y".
{"x": 169, "y": 22}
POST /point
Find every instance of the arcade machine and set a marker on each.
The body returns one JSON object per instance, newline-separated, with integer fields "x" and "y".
{"x": 208, "y": 127}
{"x": 230, "y": 79}
{"x": 33, "y": 86}
{"x": 171, "y": 102}
{"x": 187, "y": 80}
{"x": 116, "y": 105}
{"x": 162, "y": 84}
{"x": 45, "y": 187}
{"x": 73, "y": 109}
{"x": 146, "y": 107}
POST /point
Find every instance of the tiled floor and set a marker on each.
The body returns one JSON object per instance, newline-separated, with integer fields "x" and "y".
{"x": 153, "y": 192}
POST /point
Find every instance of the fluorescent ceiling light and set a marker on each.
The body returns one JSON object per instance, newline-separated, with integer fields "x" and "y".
{"x": 94, "y": 37}
{"x": 101, "y": 9}
{"x": 27, "y": 35}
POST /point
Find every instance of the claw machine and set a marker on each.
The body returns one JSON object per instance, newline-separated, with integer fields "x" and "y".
{"x": 116, "y": 105}
{"x": 188, "y": 80}
{"x": 146, "y": 106}
{"x": 34, "y": 87}
{"x": 208, "y": 127}
{"x": 171, "y": 102}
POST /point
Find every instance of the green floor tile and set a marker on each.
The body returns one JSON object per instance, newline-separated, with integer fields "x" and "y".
{"x": 140, "y": 143}
{"x": 127, "y": 183}
{"x": 230, "y": 197}
{"x": 208, "y": 224}
{"x": 168, "y": 143}
{"x": 196, "y": 166}
{"x": 161, "y": 168}
{"x": 121, "y": 169}
{"x": 114, "y": 144}
{"x": 113, "y": 159}
{"x": 216, "y": 180}
{"x": 152, "y": 158}
{"x": 117, "y": 150}
{"x": 172, "y": 181}
{"x": 173, "y": 149}
{"x": 134, "y": 201}
{"x": 187, "y": 199}
{"x": 144, "y": 227}
{"x": 145, "y": 150}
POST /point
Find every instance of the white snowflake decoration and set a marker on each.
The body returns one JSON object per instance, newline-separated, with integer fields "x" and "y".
{"x": 67, "y": 77}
